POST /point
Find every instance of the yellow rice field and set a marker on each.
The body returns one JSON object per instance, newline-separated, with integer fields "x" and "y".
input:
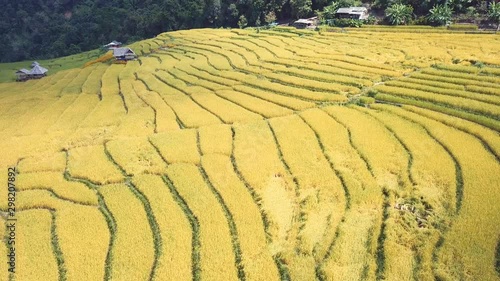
{"x": 219, "y": 154}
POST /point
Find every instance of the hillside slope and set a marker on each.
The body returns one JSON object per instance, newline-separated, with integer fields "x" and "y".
{"x": 245, "y": 155}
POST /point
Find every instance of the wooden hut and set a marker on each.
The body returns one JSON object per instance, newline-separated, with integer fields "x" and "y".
{"x": 124, "y": 54}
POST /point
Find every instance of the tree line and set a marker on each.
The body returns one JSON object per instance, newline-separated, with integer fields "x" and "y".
{"x": 53, "y": 28}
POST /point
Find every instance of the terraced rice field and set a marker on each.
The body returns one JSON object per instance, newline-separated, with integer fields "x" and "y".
{"x": 245, "y": 155}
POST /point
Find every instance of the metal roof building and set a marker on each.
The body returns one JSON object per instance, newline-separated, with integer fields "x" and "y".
{"x": 352, "y": 13}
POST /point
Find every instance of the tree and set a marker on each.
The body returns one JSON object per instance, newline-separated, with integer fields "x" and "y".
{"x": 459, "y": 6}
{"x": 232, "y": 14}
{"x": 399, "y": 14}
{"x": 329, "y": 11}
{"x": 270, "y": 17}
{"x": 440, "y": 15}
{"x": 301, "y": 8}
{"x": 242, "y": 23}
{"x": 494, "y": 13}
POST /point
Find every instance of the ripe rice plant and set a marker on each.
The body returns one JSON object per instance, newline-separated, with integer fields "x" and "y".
{"x": 477, "y": 202}
{"x": 110, "y": 85}
{"x": 390, "y": 173}
{"x": 459, "y": 68}
{"x": 288, "y": 102}
{"x": 455, "y": 74}
{"x": 216, "y": 60}
{"x": 320, "y": 191}
{"x": 129, "y": 242}
{"x": 259, "y": 51}
{"x": 454, "y": 80}
{"x": 176, "y": 248}
{"x": 210, "y": 75}
{"x": 483, "y": 90}
{"x": 432, "y": 168}
{"x": 93, "y": 83}
{"x": 91, "y": 163}
{"x": 139, "y": 117}
{"x": 386, "y": 161}
{"x": 55, "y": 162}
{"x": 457, "y": 102}
{"x": 427, "y": 83}
{"x": 318, "y": 76}
{"x": 75, "y": 86}
{"x": 57, "y": 86}
{"x": 165, "y": 118}
{"x": 227, "y": 111}
{"x": 77, "y": 229}
{"x": 448, "y": 92}
{"x": 257, "y": 261}
{"x": 486, "y": 121}
{"x": 216, "y": 139}
{"x": 107, "y": 113}
{"x": 301, "y": 93}
{"x": 193, "y": 80}
{"x": 189, "y": 113}
{"x": 33, "y": 242}
{"x": 314, "y": 176}
{"x": 234, "y": 59}
{"x": 487, "y": 135}
{"x": 363, "y": 197}
{"x": 217, "y": 259}
{"x": 75, "y": 113}
{"x": 177, "y": 146}
{"x": 43, "y": 121}
{"x": 226, "y": 44}
{"x": 260, "y": 106}
{"x": 257, "y": 159}
{"x": 55, "y": 182}
{"x": 136, "y": 156}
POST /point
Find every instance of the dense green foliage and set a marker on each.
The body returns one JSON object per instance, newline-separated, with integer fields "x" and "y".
{"x": 47, "y": 29}
{"x": 440, "y": 15}
{"x": 399, "y": 14}
{"x": 494, "y": 13}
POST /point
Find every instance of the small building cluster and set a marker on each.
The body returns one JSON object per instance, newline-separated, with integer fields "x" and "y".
{"x": 36, "y": 72}
{"x": 358, "y": 13}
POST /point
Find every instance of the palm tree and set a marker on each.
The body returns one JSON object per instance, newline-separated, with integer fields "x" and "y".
{"x": 494, "y": 13}
{"x": 440, "y": 15}
{"x": 399, "y": 14}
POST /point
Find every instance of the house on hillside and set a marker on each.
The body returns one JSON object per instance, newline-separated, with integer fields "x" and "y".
{"x": 22, "y": 74}
{"x": 124, "y": 54}
{"x": 358, "y": 13}
{"x": 309, "y": 23}
{"x": 36, "y": 72}
{"x": 112, "y": 45}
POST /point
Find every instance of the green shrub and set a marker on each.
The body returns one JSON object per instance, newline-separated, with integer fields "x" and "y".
{"x": 399, "y": 14}
{"x": 372, "y": 93}
{"x": 440, "y": 15}
{"x": 345, "y": 22}
{"x": 370, "y": 20}
{"x": 366, "y": 100}
{"x": 420, "y": 21}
